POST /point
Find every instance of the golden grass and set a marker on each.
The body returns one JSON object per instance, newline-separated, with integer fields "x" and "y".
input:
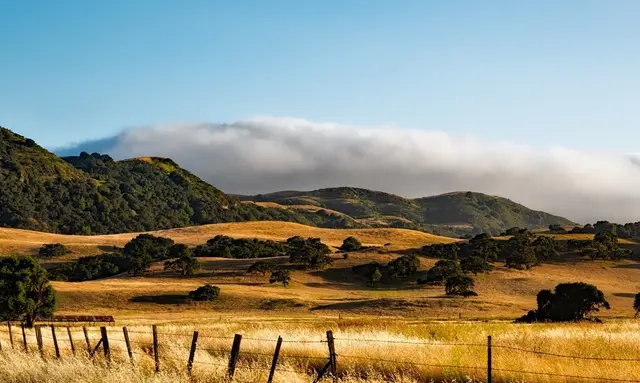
{"x": 364, "y": 347}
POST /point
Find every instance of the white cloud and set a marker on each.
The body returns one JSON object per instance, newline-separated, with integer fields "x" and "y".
{"x": 269, "y": 154}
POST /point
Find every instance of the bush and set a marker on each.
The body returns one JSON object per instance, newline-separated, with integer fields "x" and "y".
{"x": 460, "y": 285}
{"x": 53, "y": 250}
{"x": 282, "y": 276}
{"x": 185, "y": 263}
{"x": 205, "y": 293}
{"x": 351, "y": 244}
{"x": 569, "y": 302}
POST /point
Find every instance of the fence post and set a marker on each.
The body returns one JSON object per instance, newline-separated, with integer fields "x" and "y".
{"x": 86, "y": 338}
{"x": 73, "y": 346}
{"x": 10, "y": 333}
{"x": 274, "y": 362}
{"x": 105, "y": 344}
{"x": 332, "y": 355}
{"x": 192, "y": 353}
{"x": 156, "y": 357}
{"x": 489, "y": 375}
{"x": 39, "y": 340}
{"x": 235, "y": 353}
{"x": 55, "y": 341}
{"x": 24, "y": 338}
{"x": 127, "y": 343}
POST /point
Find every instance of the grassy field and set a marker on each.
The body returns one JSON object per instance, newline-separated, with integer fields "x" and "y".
{"x": 336, "y": 299}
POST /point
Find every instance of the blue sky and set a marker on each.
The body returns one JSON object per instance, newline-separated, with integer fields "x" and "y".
{"x": 532, "y": 72}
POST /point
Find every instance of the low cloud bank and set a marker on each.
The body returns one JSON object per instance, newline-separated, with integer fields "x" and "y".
{"x": 269, "y": 154}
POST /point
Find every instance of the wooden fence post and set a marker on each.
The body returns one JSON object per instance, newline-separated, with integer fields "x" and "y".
{"x": 235, "y": 354}
{"x": 105, "y": 344}
{"x": 156, "y": 357}
{"x": 24, "y": 338}
{"x": 489, "y": 374}
{"x": 10, "y": 333}
{"x": 127, "y": 343}
{"x": 73, "y": 346}
{"x": 86, "y": 338}
{"x": 332, "y": 355}
{"x": 55, "y": 341}
{"x": 39, "y": 340}
{"x": 274, "y": 362}
{"x": 192, "y": 353}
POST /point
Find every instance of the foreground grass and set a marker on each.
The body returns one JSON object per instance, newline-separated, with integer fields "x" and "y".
{"x": 363, "y": 346}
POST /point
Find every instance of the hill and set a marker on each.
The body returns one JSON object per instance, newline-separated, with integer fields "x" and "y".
{"x": 451, "y": 214}
{"x": 93, "y": 194}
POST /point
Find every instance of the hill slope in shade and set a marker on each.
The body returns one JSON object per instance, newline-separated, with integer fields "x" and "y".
{"x": 451, "y": 214}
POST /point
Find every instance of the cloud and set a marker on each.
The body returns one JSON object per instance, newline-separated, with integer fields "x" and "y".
{"x": 269, "y": 154}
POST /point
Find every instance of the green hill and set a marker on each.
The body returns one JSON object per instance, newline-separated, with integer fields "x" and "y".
{"x": 453, "y": 214}
{"x": 93, "y": 194}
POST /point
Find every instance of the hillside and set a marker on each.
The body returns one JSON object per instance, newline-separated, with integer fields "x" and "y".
{"x": 451, "y": 214}
{"x": 93, "y": 194}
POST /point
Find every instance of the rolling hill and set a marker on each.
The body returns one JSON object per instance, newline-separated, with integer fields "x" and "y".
{"x": 451, "y": 214}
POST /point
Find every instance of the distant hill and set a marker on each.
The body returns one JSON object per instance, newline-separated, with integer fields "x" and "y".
{"x": 451, "y": 214}
{"x": 93, "y": 194}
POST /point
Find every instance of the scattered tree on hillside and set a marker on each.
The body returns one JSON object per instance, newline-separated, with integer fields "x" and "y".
{"x": 545, "y": 247}
{"x": 441, "y": 271}
{"x": 53, "y": 250}
{"x": 403, "y": 267}
{"x": 483, "y": 246}
{"x": 518, "y": 252}
{"x": 244, "y": 248}
{"x": 310, "y": 252}
{"x": 351, "y": 244}
{"x": 441, "y": 250}
{"x": 25, "y": 291}
{"x": 184, "y": 263}
{"x": 557, "y": 229}
{"x": 475, "y": 265}
{"x": 280, "y": 276}
{"x": 205, "y": 293}
{"x": 569, "y": 302}
{"x": 145, "y": 249}
{"x": 460, "y": 285}
{"x": 376, "y": 277}
{"x": 261, "y": 267}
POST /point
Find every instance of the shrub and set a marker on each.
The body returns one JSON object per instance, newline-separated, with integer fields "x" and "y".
{"x": 281, "y": 276}
{"x": 460, "y": 285}
{"x": 205, "y": 293}
{"x": 185, "y": 264}
{"x": 53, "y": 250}
{"x": 569, "y": 302}
{"x": 351, "y": 244}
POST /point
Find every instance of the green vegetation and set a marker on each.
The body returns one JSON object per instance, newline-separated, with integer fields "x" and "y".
{"x": 452, "y": 214}
{"x": 90, "y": 268}
{"x": 261, "y": 267}
{"x": 441, "y": 272}
{"x": 460, "y": 285}
{"x": 310, "y": 252}
{"x": 25, "y": 292}
{"x": 183, "y": 263}
{"x": 569, "y": 302}
{"x": 351, "y": 244}
{"x": 53, "y": 250}
{"x": 205, "y": 293}
{"x": 280, "y": 276}
{"x": 399, "y": 269}
{"x": 227, "y": 247}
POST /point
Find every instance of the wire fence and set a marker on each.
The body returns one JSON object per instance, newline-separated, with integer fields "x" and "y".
{"x": 144, "y": 345}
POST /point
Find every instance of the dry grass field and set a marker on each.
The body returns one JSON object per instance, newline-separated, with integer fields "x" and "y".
{"x": 336, "y": 299}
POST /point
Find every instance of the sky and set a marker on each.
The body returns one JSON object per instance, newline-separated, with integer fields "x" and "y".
{"x": 503, "y": 85}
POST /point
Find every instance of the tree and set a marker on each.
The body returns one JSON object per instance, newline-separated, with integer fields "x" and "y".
{"x": 483, "y": 246}
{"x": 25, "y": 290}
{"x": 441, "y": 271}
{"x": 636, "y": 305}
{"x": 474, "y": 265}
{"x": 185, "y": 264}
{"x": 261, "y": 267}
{"x": 518, "y": 252}
{"x": 205, "y": 293}
{"x": 376, "y": 277}
{"x": 460, "y": 285}
{"x": 53, "y": 250}
{"x": 441, "y": 250}
{"x": 311, "y": 252}
{"x": 403, "y": 267}
{"x": 146, "y": 249}
{"x": 282, "y": 276}
{"x": 568, "y": 302}
{"x": 545, "y": 247}
{"x": 351, "y": 244}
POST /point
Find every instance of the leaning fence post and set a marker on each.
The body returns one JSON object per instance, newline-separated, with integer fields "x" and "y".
{"x": 10, "y": 333}
{"x": 274, "y": 362}
{"x": 55, "y": 341}
{"x": 86, "y": 338}
{"x": 24, "y": 338}
{"x": 332, "y": 355}
{"x": 192, "y": 353}
{"x": 39, "y": 340}
{"x": 489, "y": 359}
{"x": 105, "y": 344}
{"x": 73, "y": 346}
{"x": 127, "y": 343}
{"x": 235, "y": 353}
{"x": 156, "y": 357}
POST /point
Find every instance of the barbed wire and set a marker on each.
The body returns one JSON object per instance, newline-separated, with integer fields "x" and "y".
{"x": 410, "y": 342}
{"x": 566, "y": 355}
